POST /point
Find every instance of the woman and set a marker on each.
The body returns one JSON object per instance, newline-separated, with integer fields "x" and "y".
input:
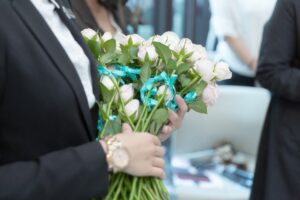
{"x": 48, "y": 90}
{"x": 238, "y": 25}
{"x": 104, "y": 16}
{"x": 277, "y": 175}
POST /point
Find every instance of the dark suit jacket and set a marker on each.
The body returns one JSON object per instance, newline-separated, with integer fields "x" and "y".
{"x": 47, "y": 132}
{"x": 277, "y": 174}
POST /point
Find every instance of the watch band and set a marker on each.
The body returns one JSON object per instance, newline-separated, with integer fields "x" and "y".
{"x": 112, "y": 144}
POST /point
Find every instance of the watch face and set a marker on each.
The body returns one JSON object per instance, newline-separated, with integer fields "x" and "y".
{"x": 120, "y": 158}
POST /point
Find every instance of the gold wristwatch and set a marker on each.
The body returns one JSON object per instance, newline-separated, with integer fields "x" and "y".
{"x": 117, "y": 156}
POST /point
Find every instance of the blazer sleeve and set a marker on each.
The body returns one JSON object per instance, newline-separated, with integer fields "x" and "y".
{"x": 2, "y": 67}
{"x": 75, "y": 173}
{"x": 277, "y": 70}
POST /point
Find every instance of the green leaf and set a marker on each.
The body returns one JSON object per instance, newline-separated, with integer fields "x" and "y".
{"x": 160, "y": 116}
{"x": 198, "y": 106}
{"x": 158, "y": 120}
{"x": 176, "y": 54}
{"x": 152, "y": 128}
{"x": 200, "y": 88}
{"x": 183, "y": 67}
{"x": 106, "y": 94}
{"x": 163, "y": 51}
{"x": 171, "y": 65}
{"x": 107, "y": 58}
{"x": 95, "y": 47}
{"x": 123, "y": 58}
{"x": 133, "y": 51}
{"x": 114, "y": 126}
{"x": 145, "y": 72}
{"x": 103, "y": 110}
{"x": 110, "y": 46}
{"x": 187, "y": 55}
{"x": 130, "y": 42}
{"x": 184, "y": 80}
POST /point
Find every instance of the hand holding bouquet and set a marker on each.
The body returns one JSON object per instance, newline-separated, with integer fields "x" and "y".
{"x": 139, "y": 80}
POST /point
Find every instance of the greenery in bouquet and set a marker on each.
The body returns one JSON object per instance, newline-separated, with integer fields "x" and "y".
{"x": 138, "y": 82}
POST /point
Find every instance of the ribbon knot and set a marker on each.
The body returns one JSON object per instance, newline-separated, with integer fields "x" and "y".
{"x": 148, "y": 87}
{"x": 119, "y": 72}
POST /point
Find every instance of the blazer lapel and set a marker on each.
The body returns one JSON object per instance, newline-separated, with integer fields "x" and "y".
{"x": 52, "y": 47}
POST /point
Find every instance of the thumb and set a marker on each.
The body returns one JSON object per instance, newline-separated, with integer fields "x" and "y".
{"x": 126, "y": 128}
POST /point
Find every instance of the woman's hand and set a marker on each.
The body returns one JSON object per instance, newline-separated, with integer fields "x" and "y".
{"x": 175, "y": 119}
{"x": 145, "y": 152}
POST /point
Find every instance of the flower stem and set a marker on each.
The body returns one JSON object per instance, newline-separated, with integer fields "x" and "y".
{"x": 193, "y": 82}
{"x": 109, "y": 113}
{"x": 132, "y": 193}
{"x": 154, "y": 110}
{"x": 122, "y": 104}
{"x": 142, "y": 117}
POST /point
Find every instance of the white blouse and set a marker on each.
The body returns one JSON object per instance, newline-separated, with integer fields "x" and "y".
{"x": 244, "y": 19}
{"x": 70, "y": 45}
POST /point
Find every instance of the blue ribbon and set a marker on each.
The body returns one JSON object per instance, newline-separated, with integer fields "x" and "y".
{"x": 130, "y": 72}
{"x": 100, "y": 123}
{"x": 191, "y": 96}
{"x": 147, "y": 87}
{"x": 112, "y": 117}
{"x": 119, "y": 72}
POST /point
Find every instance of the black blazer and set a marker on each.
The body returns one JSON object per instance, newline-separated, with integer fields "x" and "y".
{"x": 47, "y": 133}
{"x": 277, "y": 174}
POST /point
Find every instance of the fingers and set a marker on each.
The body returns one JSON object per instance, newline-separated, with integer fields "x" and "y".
{"x": 173, "y": 117}
{"x": 126, "y": 128}
{"x": 159, "y": 151}
{"x": 183, "y": 108}
{"x": 158, "y": 162}
{"x": 155, "y": 140}
{"x": 174, "y": 120}
{"x": 167, "y": 129}
{"x": 157, "y": 172}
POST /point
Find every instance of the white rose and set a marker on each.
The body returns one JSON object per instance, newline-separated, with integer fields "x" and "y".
{"x": 136, "y": 39}
{"x": 147, "y": 49}
{"x": 89, "y": 34}
{"x": 132, "y": 108}
{"x": 170, "y": 39}
{"x": 107, "y": 82}
{"x": 222, "y": 71}
{"x": 185, "y": 44}
{"x": 161, "y": 91}
{"x": 107, "y": 36}
{"x": 155, "y": 38}
{"x": 205, "y": 68}
{"x": 199, "y": 52}
{"x": 210, "y": 95}
{"x": 121, "y": 38}
{"x": 126, "y": 93}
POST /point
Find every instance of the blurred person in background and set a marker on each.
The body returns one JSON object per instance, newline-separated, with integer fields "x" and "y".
{"x": 277, "y": 175}
{"x": 103, "y": 15}
{"x": 238, "y": 25}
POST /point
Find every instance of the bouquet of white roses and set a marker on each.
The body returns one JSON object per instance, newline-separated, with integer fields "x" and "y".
{"x": 138, "y": 83}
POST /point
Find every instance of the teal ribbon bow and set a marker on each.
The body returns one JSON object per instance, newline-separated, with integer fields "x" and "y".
{"x": 147, "y": 87}
{"x": 191, "y": 96}
{"x": 119, "y": 72}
